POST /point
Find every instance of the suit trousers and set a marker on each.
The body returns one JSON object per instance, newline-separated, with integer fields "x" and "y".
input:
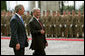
{"x": 19, "y": 52}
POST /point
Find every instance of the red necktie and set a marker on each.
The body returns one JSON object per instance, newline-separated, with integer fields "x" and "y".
{"x": 40, "y": 23}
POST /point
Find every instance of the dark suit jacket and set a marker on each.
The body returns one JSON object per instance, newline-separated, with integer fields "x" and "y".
{"x": 38, "y": 39}
{"x": 18, "y": 33}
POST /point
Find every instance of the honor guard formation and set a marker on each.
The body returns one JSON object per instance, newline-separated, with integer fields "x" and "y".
{"x": 68, "y": 25}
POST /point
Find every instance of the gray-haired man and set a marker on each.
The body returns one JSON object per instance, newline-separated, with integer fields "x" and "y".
{"x": 38, "y": 33}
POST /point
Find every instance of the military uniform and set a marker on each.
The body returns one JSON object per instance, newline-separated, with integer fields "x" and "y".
{"x": 2, "y": 25}
{"x": 8, "y": 17}
{"x": 27, "y": 22}
{"x": 69, "y": 25}
{"x": 75, "y": 28}
{"x": 53, "y": 26}
{"x": 3, "y": 22}
{"x": 83, "y": 26}
{"x": 48, "y": 23}
{"x": 24, "y": 19}
{"x": 64, "y": 24}
{"x": 80, "y": 25}
{"x": 43, "y": 18}
{"x": 58, "y": 26}
{"x": 5, "y": 26}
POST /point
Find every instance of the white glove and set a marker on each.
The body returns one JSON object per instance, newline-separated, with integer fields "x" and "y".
{"x": 65, "y": 25}
{"x": 54, "y": 25}
{"x": 60, "y": 25}
{"x": 71, "y": 25}
{"x": 50, "y": 25}
{"x": 75, "y": 25}
{"x": 82, "y": 26}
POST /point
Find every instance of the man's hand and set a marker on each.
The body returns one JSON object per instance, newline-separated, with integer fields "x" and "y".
{"x": 17, "y": 46}
{"x": 46, "y": 44}
{"x": 42, "y": 31}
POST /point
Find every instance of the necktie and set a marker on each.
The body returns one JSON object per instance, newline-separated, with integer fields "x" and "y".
{"x": 22, "y": 20}
{"x": 40, "y": 23}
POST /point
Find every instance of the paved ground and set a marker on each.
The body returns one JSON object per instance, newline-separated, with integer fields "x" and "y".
{"x": 55, "y": 48}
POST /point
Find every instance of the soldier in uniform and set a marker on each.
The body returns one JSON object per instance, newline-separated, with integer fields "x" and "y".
{"x": 4, "y": 29}
{"x": 48, "y": 20}
{"x": 8, "y": 17}
{"x": 58, "y": 25}
{"x": 2, "y": 23}
{"x": 53, "y": 24}
{"x": 80, "y": 23}
{"x": 28, "y": 17}
{"x": 64, "y": 25}
{"x": 75, "y": 25}
{"x": 6, "y": 24}
{"x": 69, "y": 24}
{"x": 43, "y": 18}
{"x": 83, "y": 24}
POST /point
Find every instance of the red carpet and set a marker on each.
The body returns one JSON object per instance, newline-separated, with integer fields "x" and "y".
{"x": 66, "y": 39}
{"x": 62, "y": 39}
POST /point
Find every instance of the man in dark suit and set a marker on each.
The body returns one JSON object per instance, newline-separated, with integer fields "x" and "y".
{"x": 38, "y": 34}
{"x": 19, "y": 38}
